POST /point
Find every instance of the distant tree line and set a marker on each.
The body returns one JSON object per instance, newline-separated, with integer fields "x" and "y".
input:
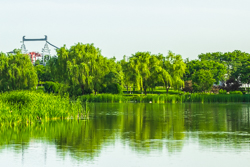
{"x": 82, "y": 69}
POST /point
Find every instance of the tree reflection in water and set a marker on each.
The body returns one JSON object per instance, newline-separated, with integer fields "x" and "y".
{"x": 143, "y": 127}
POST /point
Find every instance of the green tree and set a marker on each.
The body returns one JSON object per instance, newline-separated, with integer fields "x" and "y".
{"x": 16, "y": 72}
{"x": 144, "y": 68}
{"x": 127, "y": 73}
{"x": 139, "y": 64}
{"x": 40, "y": 70}
{"x": 217, "y": 69}
{"x": 202, "y": 80}
{"x": 52, "y": 70}
{"x": 231, "y": 60}
{"x": 113, "y": 78}
{"x": 155, "y": 63}
{"x": 245, "y": 72}
{"x": 37, "y": 62}
{"x": 173, "y": 71}
{"x": 84, "y": 69}
{"x": 74, "y": 66}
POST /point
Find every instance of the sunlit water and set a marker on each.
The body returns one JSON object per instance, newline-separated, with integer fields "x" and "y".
{"x": 201, "y": 135}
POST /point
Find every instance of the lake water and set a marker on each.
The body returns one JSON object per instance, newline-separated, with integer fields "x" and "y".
{"x": 129, "y": 134}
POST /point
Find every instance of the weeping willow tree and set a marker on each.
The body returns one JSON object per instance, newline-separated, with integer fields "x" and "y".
{"x": 16, "y": 72}
{"x": 173, "y": 71}
{"x": 83, "y": 69}
{"x": 74, "y": 66}
{"x": 140, "y": 66}
{"x": 146, "y": 70}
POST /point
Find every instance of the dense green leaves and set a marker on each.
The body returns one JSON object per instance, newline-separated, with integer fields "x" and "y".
{"x": 16, "y": 72}
{"x": 85, "y": 70}
{"x": 173, "y": 71}
{"x": 217, "y": 69}
{"x": 145, "y": 70}
{"x": 202, "y": 80}
{"x": 82, "y": 69}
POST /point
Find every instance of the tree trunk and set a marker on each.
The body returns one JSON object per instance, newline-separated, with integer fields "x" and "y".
{"x": 167, "y": 89}
{"x": 82, "y": 87}
{"x": 145, "y": 90}
{"x": 248, "y": 88}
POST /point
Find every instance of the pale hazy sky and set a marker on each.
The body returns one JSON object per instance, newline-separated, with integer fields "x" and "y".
{"x": 119, "y": 27}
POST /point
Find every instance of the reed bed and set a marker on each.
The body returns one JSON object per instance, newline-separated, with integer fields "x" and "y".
{"x": 28, "y": 107}
{"x": 199, "y": 98}
{"x": 163, "y": 98}
{"x": 105, "y": 98}
{"x": 158, "y": 99}
{"x": 220, "y": 98}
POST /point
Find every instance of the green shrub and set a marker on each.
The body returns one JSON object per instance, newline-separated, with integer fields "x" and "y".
{"x": 236, "y": 92}
{"x": 113, "y": 88}
{"x": 221, "y": 91}
{"x": 57, "y": 88}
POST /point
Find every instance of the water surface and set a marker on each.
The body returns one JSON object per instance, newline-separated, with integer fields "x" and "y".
{"x": 135, "y": 135}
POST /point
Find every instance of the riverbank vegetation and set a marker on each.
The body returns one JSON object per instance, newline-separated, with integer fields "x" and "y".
{"x": 27, "y": 107}
{"x": 82, "y": 71}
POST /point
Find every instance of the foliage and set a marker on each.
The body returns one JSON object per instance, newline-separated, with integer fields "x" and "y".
{"x": 190, "y": 98}
{"x": 57, "y": 88}
{"x": 143, "y": 65}
{"x": 113, "y": 88}
{"x": 236, "y": 92}
{"x": 84, "y": 69}
{"x": 16, "y": 72}
{"x": 107, "y": 98}
{"x": 37, "y": 62}
{"x": 26, "y": 107}
{"x": 217, "y": 69}
{"x": 145, "y": 70}
{"x": 231, "y": 60}
{"x": 202, "y": 80}
{"x": 215, "y": 89}
{"x": 232, "y": 85}
{"x": 222, "y": 91}
{"x": 40, "y": 70}
{"x": 174, "y": 69}
{"x": 237, "y": 66}
{"x": 188, "y": 86}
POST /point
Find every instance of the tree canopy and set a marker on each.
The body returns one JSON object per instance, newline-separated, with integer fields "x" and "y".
{"x": 82, "y": 69}
{"x": 17, "y": 72}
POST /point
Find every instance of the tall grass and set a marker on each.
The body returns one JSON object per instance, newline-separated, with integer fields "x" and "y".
{"x": 157, "y": 98}
{"x": 163, "y": 98}
{"x": 200, "y": 98}
{"x": 213, "y": 98}
{"x": 106, "y": 98}
{"x": 29, "y": 107}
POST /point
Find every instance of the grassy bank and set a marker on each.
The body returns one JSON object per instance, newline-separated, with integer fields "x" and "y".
{"x": 28, "y": 107}
{"x": 163, "y": 98}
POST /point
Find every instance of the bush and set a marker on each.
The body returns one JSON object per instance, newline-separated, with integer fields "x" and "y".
{"x": 221, "y": 91}
{"x": 54, "y": 87}
{"x": 236, "y": 92}
{"x": 114, "y": 88}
